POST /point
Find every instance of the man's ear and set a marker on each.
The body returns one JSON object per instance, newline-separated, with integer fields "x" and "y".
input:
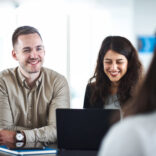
{"x": 14, "y": 55}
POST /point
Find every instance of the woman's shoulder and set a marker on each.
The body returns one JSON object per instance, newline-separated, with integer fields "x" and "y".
{"x": 90, "y": 86}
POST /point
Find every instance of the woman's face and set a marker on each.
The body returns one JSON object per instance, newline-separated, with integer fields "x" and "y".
{"x": 115, "y": 65}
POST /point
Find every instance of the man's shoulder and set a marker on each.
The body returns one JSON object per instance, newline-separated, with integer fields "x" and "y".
{"x": 7, "y": 73}
{"x": 52, "y": 76}
{"x": 51, "y": 73}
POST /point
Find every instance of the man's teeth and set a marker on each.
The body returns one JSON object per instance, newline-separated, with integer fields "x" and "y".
{"x": 33, "y": 62}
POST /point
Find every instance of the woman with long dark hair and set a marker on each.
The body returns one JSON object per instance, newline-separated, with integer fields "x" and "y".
{"x": 136, "y": 135}
{"x": 116, "y": 75}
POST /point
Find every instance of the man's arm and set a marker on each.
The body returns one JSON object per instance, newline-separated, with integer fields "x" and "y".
{"x": 6, "y": 118}
{"x": 7, "y": 128}
{"x": 47, "y": 133}
{"x": 61, "y": 99}
{"x": 7, "y": 137}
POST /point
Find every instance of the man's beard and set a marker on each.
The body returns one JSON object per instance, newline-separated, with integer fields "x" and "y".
{"x": 30, "y": 70}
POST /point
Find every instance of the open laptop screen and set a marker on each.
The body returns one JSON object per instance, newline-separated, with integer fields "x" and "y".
{"x": 82, "y": 129}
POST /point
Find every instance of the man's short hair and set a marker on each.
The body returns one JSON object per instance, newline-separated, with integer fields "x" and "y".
{"x": 23, "y": 30}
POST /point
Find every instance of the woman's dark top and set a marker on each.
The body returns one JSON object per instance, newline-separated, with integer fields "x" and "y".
{"x": 111, "y": 102}
{"x": 88, "y": 93}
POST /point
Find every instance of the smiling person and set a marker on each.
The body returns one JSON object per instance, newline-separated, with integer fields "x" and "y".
{"x": 136, "y": 134}
{"x": 116, "y": 75}
{"x": 30, "y": 93}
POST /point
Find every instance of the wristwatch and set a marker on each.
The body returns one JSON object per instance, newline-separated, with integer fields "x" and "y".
{"x": 19, "y": 144}
{"x": 19, "y": 136}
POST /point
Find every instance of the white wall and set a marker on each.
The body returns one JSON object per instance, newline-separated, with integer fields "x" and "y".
{"x": 145, "y": 24}
{"x": 8, "y": 22}
{"x": 73, "y": 30}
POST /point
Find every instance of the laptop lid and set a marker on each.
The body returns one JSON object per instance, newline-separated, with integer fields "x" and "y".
{"x": 82, "y": 129}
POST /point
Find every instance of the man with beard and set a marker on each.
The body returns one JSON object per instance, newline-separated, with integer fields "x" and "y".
{"x": 30, "y": 93}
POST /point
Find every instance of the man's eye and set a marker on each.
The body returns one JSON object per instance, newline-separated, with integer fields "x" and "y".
{"x": 39, "y": 49}
{"x": 26, "y": 51}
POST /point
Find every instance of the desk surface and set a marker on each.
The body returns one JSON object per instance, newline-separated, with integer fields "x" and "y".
{"x": 77, "y": 153}
{"x": 63, "y": 153}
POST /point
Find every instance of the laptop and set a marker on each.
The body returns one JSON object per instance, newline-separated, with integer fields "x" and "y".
{"x": 82, "y": 129}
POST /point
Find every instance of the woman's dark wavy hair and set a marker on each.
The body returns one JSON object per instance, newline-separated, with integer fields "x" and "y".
{"x": 145, "y": 101}
{"x": 100, "y": 83}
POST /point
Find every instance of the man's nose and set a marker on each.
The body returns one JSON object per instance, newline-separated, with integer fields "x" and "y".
{"x": 33, "y": 54}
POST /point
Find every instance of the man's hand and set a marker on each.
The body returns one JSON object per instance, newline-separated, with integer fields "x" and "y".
{"x": 7, "y": 137}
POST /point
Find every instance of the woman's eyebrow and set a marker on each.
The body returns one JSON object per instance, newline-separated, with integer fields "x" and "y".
{"x": 107, "y": 59}
{"x": 116, "y": 59}
{"x": 120, "y": 59}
